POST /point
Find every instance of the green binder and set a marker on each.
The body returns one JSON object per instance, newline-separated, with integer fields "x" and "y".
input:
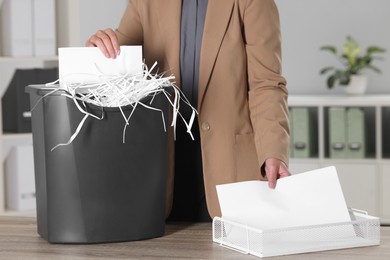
{"x": 302, "y": 132}
{"x": 356, "y": 145}
{"x": 337, "y": 132}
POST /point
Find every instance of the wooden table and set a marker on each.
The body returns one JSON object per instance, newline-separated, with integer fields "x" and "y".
{"x": 19, "y": 240}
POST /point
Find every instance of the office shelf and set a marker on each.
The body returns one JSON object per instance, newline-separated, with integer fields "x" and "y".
{"x": 365, "y": 180}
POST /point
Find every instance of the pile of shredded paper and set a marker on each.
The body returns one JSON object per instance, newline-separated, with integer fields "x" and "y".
{"x": 120, "y": 91}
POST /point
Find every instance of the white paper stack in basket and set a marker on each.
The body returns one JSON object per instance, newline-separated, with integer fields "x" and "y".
{"x": 360, "y": 230}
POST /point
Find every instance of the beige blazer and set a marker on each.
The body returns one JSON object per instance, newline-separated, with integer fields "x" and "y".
{"x": 242, "y": 103}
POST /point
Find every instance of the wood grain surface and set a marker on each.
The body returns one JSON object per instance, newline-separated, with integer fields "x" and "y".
{"x": 19, "y": 240}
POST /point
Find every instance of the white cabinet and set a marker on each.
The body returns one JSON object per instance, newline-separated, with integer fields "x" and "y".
{"x": 360, "y": 184}
{"x": 8, "y": 65}
{"x": 302, "y": 165}
{"x": 365, "y": 181}
{"x": 75, "y": 23}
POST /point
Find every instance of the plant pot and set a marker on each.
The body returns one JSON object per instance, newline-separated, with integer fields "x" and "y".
{"x": 357, "y": 85}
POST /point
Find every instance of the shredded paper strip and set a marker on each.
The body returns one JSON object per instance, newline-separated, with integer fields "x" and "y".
{"x": 120, "y": 91}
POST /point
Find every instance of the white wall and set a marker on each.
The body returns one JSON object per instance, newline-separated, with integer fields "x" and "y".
{"x": 77, "y": 20}
{"x": 106, "y": 14}
{"x": 306, "y": 25}
{"x": 309, "y": 24}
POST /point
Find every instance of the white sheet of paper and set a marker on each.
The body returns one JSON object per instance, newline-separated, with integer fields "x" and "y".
{"x": 310, "y": 198}
{"x": 86, "y": 64}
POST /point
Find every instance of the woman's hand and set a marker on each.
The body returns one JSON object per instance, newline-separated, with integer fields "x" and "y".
{"x": 107, "y": 41}
{"x": 275, "y": 169}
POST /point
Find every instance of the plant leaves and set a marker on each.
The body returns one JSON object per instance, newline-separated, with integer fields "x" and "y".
{"x": 361, "y": 63}
{"x": 377, "y": 70}
{"x": 375, "y": 49}
{"x": 331, "y": 80}
{"x": 326, "y": 69}
{"x": 343, "y": 76}
{"x": 330, "y": 48}
{"x": 352, "y": 59}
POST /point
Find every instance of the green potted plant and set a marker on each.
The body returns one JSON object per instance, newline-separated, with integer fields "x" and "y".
{"x": 353, "y": 62}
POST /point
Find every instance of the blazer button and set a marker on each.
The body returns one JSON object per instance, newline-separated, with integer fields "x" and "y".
{"x": 205, "y": 126}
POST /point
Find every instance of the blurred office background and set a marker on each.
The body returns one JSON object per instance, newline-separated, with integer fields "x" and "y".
{"x": 316, "y": 120}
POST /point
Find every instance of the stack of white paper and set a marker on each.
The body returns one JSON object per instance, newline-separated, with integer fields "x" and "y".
{"x": 310, "y": 198}
{"x": 86, "y": 64}
{"x": 305, "y": 213}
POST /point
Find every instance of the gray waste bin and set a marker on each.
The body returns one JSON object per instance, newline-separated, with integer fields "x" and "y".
{"x": 98, "y": 189}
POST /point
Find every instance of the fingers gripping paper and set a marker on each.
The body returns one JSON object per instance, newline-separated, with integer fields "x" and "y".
{"x": 81, "y": 65}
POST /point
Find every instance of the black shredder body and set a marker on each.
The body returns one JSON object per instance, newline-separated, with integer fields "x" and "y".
{"x": 97, "y": 188}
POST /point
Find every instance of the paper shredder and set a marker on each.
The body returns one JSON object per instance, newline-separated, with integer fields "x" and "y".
{"x": 98, "y": 188}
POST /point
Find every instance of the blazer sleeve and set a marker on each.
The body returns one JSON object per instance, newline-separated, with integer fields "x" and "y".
{"x": 267, "y": 87}
{"x": 129, "y": 31}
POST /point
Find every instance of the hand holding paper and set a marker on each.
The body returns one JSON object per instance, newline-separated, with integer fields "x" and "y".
{"x": 310, "y": 198}
{"x": 274, "y": 170}
{"x": 305, "y": 213}
{"x": 107, "y": 41}
{"x": 91, "y": 64}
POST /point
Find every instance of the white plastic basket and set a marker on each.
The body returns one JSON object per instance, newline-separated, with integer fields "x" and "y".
{"x": 363, "y": 230}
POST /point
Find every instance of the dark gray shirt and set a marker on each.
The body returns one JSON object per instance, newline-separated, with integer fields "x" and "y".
{"x": 192, "y": 23}
{"x": 189, "y": 201}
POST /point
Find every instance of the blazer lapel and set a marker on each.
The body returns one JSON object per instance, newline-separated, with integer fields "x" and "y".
{"x": 217, "y": 19}
{"x": 169, "y": 19}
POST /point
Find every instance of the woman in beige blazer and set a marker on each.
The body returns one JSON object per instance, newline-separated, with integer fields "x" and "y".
{"x": 242, "y": 96}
